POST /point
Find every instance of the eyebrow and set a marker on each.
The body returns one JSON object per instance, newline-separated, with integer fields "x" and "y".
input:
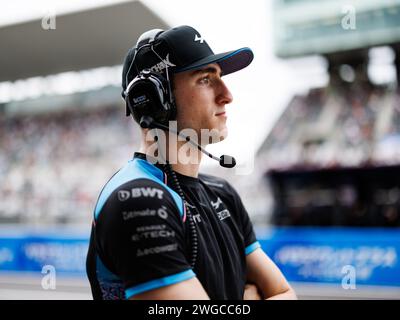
{"x": 207, "y": 70}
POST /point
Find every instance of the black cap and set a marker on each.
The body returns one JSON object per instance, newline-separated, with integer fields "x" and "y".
{"x": 181, "y": 48}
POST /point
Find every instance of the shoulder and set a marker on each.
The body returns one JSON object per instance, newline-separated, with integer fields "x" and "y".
{"x": 139, "y": 189}
{"x": 140, "y": 194}
{"x": 218, "y": 184}
{"x": 213, "y": 181}
{"x": 138, "y": 206}
{"x": 225, "y": 192}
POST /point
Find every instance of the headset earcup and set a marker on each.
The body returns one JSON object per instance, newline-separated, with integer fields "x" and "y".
{"x": 148, "y": 96}
{"x": 167, "y": 102}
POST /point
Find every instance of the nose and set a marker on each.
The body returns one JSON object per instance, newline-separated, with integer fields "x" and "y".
{"x": 224, "y": 96}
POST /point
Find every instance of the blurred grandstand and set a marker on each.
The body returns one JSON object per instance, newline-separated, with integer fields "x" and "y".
{"x": 344, "y": 124}
{"x": 45, "y": 156}
{"x": 61, "y": 118}
{"x": 335, "y": 149}
{"x": 331, "y": 159}
{"x": 333, "y": 156}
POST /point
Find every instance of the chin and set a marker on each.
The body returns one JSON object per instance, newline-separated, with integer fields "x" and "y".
{"x": 224, "y": 133}
{"x": 217, "y": 135}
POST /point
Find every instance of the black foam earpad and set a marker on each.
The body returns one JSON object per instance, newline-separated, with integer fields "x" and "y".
{"x": 148, "y": 94}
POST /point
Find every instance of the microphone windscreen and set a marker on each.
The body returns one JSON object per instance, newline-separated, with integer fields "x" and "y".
{"x": 146, "y": 122}
{"x": 227, "y": 161}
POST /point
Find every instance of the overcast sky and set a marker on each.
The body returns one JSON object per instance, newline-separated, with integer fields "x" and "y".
{"x": 260, "y": 91}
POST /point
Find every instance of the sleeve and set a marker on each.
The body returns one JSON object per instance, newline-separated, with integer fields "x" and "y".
{"x": 249, "y": 235}
{"x": 141, "y": 234}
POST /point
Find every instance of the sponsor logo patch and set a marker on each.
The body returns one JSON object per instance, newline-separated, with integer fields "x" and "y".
{"x": 223, "y": 214}
{"x": 155, "y": 250}
{"x": 147, "y": 192}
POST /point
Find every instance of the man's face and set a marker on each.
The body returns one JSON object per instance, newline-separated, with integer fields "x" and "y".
{"x": 201, "y": 96}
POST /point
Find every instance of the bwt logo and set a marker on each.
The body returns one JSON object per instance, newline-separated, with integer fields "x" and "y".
{"x": 124, "y": 195}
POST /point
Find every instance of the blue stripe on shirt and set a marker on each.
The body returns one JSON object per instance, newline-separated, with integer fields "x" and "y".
{"x": 249, "y": 249}
{"x": 158, "y": 283}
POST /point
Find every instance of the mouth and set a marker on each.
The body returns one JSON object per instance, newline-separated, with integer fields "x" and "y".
{"x": 221, "y": 114}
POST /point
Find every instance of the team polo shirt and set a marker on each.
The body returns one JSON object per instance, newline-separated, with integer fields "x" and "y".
{"x": 140, "y": 237}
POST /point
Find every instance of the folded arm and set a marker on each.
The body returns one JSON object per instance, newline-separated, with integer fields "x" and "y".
{"x": 266, "y": 276}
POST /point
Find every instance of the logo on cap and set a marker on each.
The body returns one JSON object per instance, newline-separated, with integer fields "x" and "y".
{"x": 197, "y": 38}
{"x": 162, "y": 65}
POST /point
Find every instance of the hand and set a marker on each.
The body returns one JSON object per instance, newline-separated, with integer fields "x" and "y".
{"x": 251, "y": 292}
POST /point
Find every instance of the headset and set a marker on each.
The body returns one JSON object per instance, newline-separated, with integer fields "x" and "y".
{"x": 149, "y": 96}
{"x": 149, "y": 93}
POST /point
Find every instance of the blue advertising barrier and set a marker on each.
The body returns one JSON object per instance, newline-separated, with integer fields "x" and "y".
{"x": 323, "y": 255}
{"x": 329, "y": 255}
{"x": 30, "y": 251}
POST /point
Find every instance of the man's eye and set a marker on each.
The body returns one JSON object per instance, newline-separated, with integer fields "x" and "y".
{"x": 205, "y": 80}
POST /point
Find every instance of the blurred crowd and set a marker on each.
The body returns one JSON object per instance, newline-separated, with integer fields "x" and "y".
{"x": 334, "y": 155}
{"x": 349, "y": 125}
{"x": 52, "y": 165}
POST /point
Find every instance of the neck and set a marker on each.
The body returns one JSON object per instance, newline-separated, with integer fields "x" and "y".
{"x": 183, "y": 156}
{"x": 189, "y": 169}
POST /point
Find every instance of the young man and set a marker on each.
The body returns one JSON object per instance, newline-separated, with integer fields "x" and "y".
{"x": 161, "y": 230}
